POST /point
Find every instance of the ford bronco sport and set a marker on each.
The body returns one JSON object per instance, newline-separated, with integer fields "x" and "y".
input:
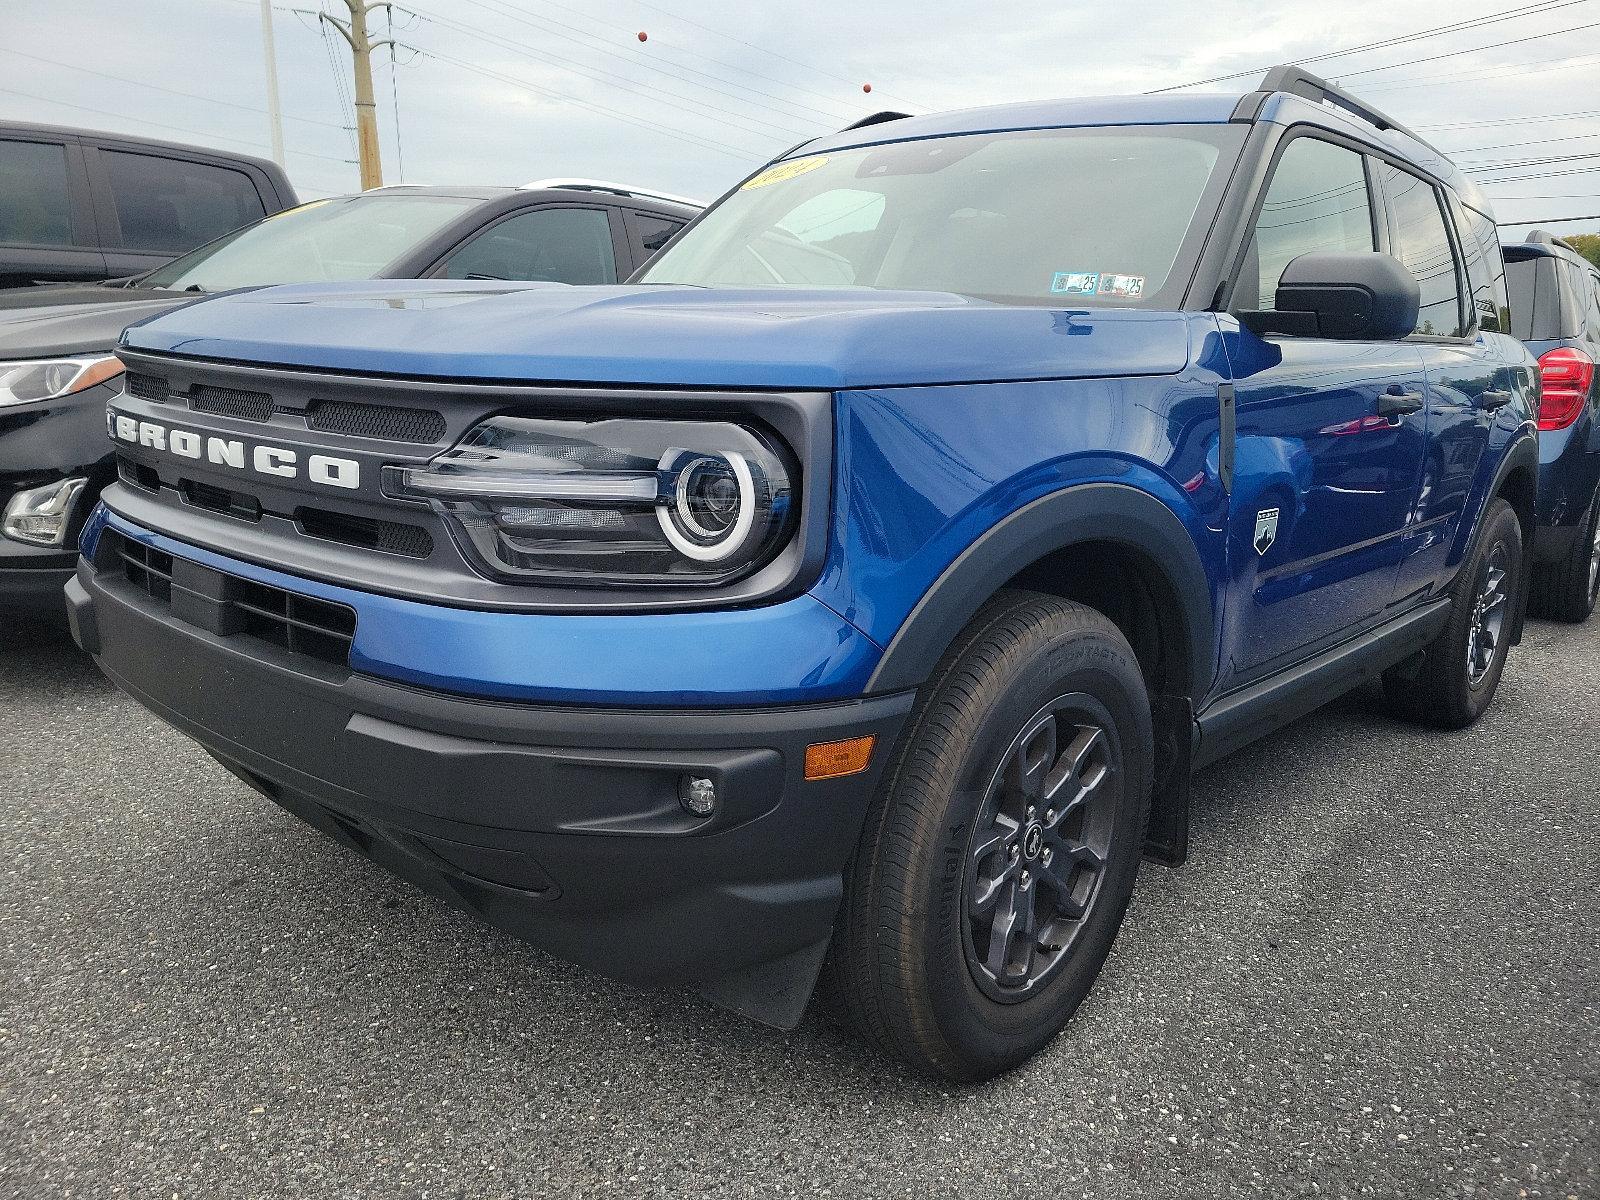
{"x": 853, "y": 593}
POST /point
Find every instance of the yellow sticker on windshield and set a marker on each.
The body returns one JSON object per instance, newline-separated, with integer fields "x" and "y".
{"x": 779, "y": 172}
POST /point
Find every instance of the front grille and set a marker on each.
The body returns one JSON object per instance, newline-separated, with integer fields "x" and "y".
{"x": 369, "y": 533}
{"x": 230, "y": 402}
{"x": 383, "y": 421}
{"x": 147, "y": 387}
{"x": 300, "y": 624}
{"x": 137, "y": 474}
{"x": 227, "y": 605}
{"x": 148, "y": 569}
{"x": 220, "y": 500}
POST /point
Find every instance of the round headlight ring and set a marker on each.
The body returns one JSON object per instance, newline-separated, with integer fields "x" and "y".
{"x": 713, "y": 545}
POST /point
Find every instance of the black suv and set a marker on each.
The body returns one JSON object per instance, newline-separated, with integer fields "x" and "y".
{"x": 56, "y": 367}
{"x": 1555, "y": 309}
{"x": 78, "y": 205}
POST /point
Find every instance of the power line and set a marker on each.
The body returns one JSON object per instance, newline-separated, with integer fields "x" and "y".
{"x": 615, "y": 80}
{"x": 1548, "y": 220}
{"x": 1517, "y": 68}
{"x": 595, "y": 44}
{"x": 162, "y": 125}
{"x": 158, "y": 88}
{"x": 678, "y": 134}
{"x": 1535, "y": 37}
{"x": 1543, "y": 175}
{"x": 1573, "y": 137}
{"x": 1537, "y": 118}
{"x": 1531, "y": 162}
{"x": 1384, "y": 44}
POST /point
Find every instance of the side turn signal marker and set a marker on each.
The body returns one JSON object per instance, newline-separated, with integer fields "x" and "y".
{"x": 830, "y": 760}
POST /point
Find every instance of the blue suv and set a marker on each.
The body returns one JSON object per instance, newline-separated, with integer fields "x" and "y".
{"x": 852, "y": 594}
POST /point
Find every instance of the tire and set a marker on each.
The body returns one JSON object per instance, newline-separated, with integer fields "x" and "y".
{"x": 1448, "y": 691}
{"x": 1567, "y": 590}
{"x": 1036, "y": 691}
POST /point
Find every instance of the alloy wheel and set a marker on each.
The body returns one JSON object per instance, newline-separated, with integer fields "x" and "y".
{"x": 1489, "y": 611}
{"x": 1038, "y": 851}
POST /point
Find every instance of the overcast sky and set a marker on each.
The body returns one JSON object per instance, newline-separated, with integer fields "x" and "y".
{"x": 507, "y": 91}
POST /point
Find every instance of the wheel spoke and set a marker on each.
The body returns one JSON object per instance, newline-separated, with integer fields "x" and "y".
{"x": 1000, "y": 834}
{"x": 986, "y": 892}
{"x": 1029, "y": 768}
{"x": 1070, "y": 767}
{"x": 1000, "y": 933}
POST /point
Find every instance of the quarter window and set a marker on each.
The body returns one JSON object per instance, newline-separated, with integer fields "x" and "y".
{"x": 1317, "y": 203}
{"x": 1423, "y": 247}
{"x": 33, "y": 194}
{"x": 170, "y": 204}
{"x": 1486, "y": 271}
{"x": 556, "y": 245}
{"x": 656, "y": 232}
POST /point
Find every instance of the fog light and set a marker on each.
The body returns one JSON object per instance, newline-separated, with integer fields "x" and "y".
{"x": 40, "y": 516}
{"x": 698, "y": 794}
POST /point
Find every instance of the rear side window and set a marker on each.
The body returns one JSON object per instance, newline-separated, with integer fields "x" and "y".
{"x": 34, "y": 207}
{"x": 557, "y": 245}
{"x": 1522, "y": 282}
{"x": 1486, "y": 271}
{"x": 169, "y": 204}
{"x": 1594, "y": 309}
{"x": 1423, "y": 246}
{"x": 1575, "y": 290}
{"x": 1317, "y": 203}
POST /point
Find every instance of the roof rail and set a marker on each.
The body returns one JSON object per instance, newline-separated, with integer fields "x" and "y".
{"x": 1297, "y": 81}
{"x": 615, "y": 189}
{"x": 1549, "y": 239}
{"x": 877, "y": 118}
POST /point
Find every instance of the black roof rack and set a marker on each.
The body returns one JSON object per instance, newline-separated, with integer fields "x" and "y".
{"x": 877, "y": 118}
{"x": 1297, "y": 81}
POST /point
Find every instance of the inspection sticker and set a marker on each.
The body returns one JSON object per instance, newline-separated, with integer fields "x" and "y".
{"x": 1127, "y": 287}
{"x": 1075, "y": 283}
{"x": 779, "y": 172}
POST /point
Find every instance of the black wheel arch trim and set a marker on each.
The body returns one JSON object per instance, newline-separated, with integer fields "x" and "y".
{"x": 1523, "y": 452}
{"x": 1089, "y": 512}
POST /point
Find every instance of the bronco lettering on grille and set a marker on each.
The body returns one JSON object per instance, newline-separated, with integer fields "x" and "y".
{"x": 277, "y": 461}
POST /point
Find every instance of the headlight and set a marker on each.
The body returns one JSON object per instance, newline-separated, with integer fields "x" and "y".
{"x": 612, "y": 501}
{"x": 51, "y": 378}
{"x": 40, "y": 516}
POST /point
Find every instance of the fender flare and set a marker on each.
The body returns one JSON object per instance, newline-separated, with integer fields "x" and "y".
{"x": 1103, "y": 512}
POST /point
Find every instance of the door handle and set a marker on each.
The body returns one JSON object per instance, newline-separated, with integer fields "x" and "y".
{"x": 1395, "y": 403}
{"x": 1493, "y": 401}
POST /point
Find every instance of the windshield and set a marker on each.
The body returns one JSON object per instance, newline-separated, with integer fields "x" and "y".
{"x": 351, "y": 237}
{"x": 1049, "y": 216}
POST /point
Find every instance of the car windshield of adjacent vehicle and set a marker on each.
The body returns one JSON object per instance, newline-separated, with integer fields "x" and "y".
{"x": 1089, "y": 216}
{"x": 350, "y": 237}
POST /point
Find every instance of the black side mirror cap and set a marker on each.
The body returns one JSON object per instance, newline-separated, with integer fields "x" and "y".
{"x": 1352, "y": 296}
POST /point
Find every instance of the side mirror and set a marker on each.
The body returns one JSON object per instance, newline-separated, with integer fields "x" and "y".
{"x": 1355, "y": 296}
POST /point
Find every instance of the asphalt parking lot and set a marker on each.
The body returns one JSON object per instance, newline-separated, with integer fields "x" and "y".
{"x": 1376, "y": 977}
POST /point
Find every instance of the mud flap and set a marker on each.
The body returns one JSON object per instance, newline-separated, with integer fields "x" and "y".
{"x": 1167, "y": 836}
{"x": 774, "y": 993}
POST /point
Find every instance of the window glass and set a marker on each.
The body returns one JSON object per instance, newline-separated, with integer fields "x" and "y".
{"x": 655, "y": 232}
{"x": 559, "y": 245}
{"x": 1522, "y": 283}
{"x": 1594, "y": 308}
{"x": 34, "y": 208}
{"x": 1317, "y": 203}
{"x": 1423, "y": 247}
{"x": 1574, "y": 298}
{"x": 1060, "y": 217}
{"x": 351, "y": 237}
{"x": 1486, "y": 270}
{"x": 170, "y": 204}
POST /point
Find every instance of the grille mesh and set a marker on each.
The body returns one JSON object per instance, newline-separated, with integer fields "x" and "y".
{"x": 147, "y": 387}
{"x": 369, "y": 533}
{"x": 230, "y": 402}
{"x": 377, "y": 421}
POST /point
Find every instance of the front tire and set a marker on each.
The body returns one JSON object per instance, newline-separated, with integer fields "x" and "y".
{"x": 1461, "y": 668}
{"x": 1000, "y": 855}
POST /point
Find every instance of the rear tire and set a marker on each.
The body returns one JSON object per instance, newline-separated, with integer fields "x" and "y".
{"x": 1567, "y": 590}
{"x": 1000, "y": 854}
{"x": 1461, "y": 668}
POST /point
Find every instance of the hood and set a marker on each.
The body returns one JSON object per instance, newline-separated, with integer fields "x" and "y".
{"x": 35, "y": 322}
{"x": 665, "y": 335}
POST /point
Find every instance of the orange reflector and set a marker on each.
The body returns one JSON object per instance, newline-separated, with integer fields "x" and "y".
{"x": 829, "y": 760}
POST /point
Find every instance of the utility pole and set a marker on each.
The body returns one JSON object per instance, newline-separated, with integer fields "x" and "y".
{"x": 354, "y": 31}
{"x": 274, "y": 113}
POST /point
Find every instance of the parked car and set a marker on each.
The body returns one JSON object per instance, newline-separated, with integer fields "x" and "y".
{"x": 1555, "y": 309}
{"x": 78, "y": 205}
{"x": 56, "y": 367}
{"x": 854, "y": 593}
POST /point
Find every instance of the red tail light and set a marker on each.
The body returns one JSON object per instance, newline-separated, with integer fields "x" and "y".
{"x": 1568, "y": 375}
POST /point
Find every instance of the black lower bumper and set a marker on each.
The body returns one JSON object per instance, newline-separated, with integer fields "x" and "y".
{"x": 34, "y": 591}
{"x": 560, "y": 825}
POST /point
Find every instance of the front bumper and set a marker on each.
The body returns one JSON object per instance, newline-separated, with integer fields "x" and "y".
{"x": 560, "y": 824}
{"x": 34, "y": 589}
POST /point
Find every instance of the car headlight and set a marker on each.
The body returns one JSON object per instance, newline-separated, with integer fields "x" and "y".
{"x": 609, "y": 501}
{"x": 24, "y": 381}
{"x": 40, "y": 516}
